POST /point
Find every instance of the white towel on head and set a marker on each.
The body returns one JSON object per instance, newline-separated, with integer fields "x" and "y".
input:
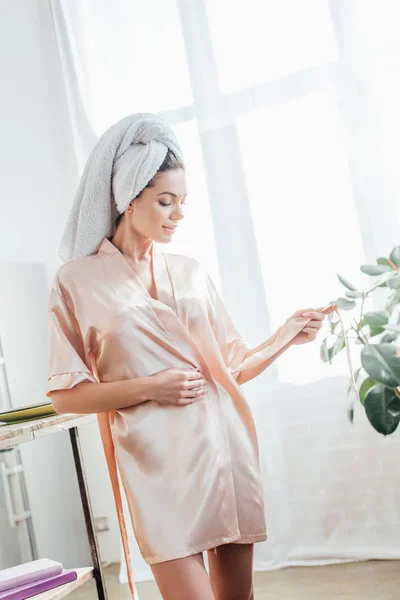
{"x": 124, "y": 160}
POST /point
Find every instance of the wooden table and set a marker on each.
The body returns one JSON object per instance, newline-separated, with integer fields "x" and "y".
{"x": 18, "y": 433}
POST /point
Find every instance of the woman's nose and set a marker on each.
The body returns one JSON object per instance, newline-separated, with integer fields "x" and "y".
{"x": 178, "y": 213}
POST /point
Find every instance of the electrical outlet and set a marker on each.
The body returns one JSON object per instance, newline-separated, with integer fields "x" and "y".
{"x": 101, "y": 524}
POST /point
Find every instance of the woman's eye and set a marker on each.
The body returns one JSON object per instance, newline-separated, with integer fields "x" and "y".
{"x": 164, "y": 203}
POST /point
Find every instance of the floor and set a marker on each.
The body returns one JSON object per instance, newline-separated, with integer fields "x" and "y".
{"x": 370, "y": 580}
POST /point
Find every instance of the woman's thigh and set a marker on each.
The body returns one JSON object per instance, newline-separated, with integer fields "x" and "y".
{"x": 231, "y": 572}
{"x": 183, "y": 579}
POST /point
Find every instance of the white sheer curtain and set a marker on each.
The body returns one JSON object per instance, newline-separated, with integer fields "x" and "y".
{"x": 288, "y": 116}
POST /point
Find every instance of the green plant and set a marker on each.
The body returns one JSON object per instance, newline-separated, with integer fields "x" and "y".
{"x": 378, "y": 379}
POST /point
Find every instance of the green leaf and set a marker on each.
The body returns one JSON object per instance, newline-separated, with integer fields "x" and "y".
{"x": 382, "y": 261}
{"x": 375, "y": 332}
{"x": 376, "y": 319}
{"x": 395, "y": 256}
{"x": 345, "y": 304}
{"x": 338, "y": 345}
{"x": 346, "y": 283}
{"x": 365, "y": 387}
{"x": 350, "y": 413}
{"x": 331, "y": 320}
{"x": 389, "y": 337}
{"x": 394, "y": 282}
{"x": 333, "y": 325}
{"x": 375, "y": 269}
{"x": 350, "y": 386}
{"x": 382, "y": 408}
{"x": 382, "y": 363}
{"x": 325, "y": 352}
{"x": 353, "y": 294}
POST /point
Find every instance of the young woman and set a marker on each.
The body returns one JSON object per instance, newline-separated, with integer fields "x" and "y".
{"x": 151, "y": 331}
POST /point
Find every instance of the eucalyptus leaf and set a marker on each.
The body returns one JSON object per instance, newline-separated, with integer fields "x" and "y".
{"x": 394, "y": 282}
{"x": 346, "y": 283}
{"x": 395, "y": 256}
{"x": 338, "y": 345}
{"x": 353, "y": 294}
{"x": 382, "y": 363}
{"x": 345, "y": 304}
{"x": 389, "y": 337}
{"x": 376, "y": 318}
{"x": 374, "y": 332}
{"x": 382, "y": 261}
{"x": 333, "y": 325}
{"x": 375, "y": 269}
{"x": 382, "y": 408}
{"x": 325, "y": 352}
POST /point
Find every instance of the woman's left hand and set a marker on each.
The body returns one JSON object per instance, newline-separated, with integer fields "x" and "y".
{"x": 310, "y": 331}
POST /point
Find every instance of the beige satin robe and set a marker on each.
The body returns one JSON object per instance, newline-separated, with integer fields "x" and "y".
{"x": 190, "y": 473}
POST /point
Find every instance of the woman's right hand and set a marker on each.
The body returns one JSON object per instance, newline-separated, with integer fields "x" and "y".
{"x": 177, "y": 386}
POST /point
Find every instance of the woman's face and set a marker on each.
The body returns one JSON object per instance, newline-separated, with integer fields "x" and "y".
{"x": 157, "y": 211}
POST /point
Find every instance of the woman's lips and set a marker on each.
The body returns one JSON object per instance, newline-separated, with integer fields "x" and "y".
{"x": 170, "y": 229}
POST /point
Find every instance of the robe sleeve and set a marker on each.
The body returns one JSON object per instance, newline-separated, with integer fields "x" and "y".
{"x": 67, "y": 365}
{"x": 245, "y": 362}
{"x": 231, "y": 344}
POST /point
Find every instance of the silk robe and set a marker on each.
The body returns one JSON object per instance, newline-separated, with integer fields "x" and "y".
{"x": 190, "y": 473}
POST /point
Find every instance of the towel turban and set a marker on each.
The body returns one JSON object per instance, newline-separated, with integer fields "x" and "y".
{"x": 124, "y": 160}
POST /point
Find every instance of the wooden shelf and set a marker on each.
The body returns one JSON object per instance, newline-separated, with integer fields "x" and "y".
{"x": 17, "y": 433}
{"x": 84, "y": 574}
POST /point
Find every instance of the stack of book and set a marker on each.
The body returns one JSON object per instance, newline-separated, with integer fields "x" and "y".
{"x": 31, "y": 578}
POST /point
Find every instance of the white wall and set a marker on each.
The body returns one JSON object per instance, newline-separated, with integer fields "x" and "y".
{"x": 39, "y": 176}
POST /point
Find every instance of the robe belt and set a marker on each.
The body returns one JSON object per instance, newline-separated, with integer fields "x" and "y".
{"x": 103, "y": 419}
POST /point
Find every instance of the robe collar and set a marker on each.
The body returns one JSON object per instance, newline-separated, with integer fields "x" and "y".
{"x": 162, "y": 277}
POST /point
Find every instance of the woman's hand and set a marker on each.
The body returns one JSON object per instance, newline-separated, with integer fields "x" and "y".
{"x": 316, "y": 317}
{"x": 177, "y": 386}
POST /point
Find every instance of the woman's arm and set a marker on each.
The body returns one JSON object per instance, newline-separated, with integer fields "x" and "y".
{"x": 87, "y": 397}
{"x": 244, "y": 362}
{"x": 260, "y": 362}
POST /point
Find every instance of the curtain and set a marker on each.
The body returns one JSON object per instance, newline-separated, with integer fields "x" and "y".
{"x": 287, "y": 113}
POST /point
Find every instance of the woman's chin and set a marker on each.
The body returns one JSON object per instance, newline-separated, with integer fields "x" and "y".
{"x": 163, "y": 239}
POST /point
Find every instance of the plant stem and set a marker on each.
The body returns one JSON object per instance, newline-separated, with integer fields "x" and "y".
{"x": 358, "y": 335}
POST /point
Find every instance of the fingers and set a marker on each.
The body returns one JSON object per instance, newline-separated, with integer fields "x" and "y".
{"x": 195, "y": 383}
{"x": 312, "y": 325}
{"x": 194, "y": 389}
{"x": 194, "y": 375}
{"x": 314, "y": 330}
{"x": 319, "y": 316}
{"x": 193, "y": 395}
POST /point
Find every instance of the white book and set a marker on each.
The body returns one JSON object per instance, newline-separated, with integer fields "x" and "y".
{"x": 28, "y": 572}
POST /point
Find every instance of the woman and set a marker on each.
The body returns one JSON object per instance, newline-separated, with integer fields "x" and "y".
{"x": 151, "y": 331}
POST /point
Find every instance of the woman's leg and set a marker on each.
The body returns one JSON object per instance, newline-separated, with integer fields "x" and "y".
{"x": 183, "y": 579}
{"x": 231, "y": 572}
